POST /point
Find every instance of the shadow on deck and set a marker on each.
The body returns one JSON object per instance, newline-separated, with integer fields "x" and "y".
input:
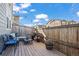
{"x": 35, "y": 49}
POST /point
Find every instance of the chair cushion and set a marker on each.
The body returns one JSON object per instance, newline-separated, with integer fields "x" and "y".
{"x": 26, "y": 39}
{"x": 5, "y": 37}
{"x": 11, "y": 41}
{"x": 11, "y": 37}
{"x": 13, "y": 34}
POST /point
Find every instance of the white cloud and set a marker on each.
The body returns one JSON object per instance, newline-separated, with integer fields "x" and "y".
{"x": 21, "y": 18}
{"x": 16, "y": 8}
{"x": 39, "y": 23}
{"x": 25, "y": 5}
{"x": 23, "y": 12}
{"x": 46, "y": 19}
{"x": 36, "y": 20}
{"x": 30, "y": 25}
{"x": 43, "y": 16}
{"x": 77, "y": 13}
{"x": 32, "y": 10}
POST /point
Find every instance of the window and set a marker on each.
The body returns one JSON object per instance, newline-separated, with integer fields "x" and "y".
{"x": 8, "y": 23}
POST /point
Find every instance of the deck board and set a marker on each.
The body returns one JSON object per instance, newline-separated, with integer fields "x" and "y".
{"x": 26, "y": 51}
{"x": 17, "y": 50}
{"x": 35, "y": 49}
{"x": 20, "y": 49}
{"x": 38, "y": 49}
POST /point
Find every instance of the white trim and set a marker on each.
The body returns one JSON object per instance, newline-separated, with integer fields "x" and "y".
{"x": 39, "y": 1}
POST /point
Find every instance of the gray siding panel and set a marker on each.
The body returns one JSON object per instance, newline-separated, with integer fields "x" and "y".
{"x": 5, "y": 11}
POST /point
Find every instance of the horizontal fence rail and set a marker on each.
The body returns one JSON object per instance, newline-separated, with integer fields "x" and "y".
{"x": 65, "y": 38}
{"x": 22, "y": 30}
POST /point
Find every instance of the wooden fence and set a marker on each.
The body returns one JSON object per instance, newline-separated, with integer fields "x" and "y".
{"x": 22, "y": 30}
{"x": 65, "y": 38}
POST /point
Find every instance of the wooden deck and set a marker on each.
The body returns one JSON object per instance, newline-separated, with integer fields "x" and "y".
{"x": 35, "y": 49}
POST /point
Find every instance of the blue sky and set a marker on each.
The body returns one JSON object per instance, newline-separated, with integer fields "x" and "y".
{"x": 40, "y": 13}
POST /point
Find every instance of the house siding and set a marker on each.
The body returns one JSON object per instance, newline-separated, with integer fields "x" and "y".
{"x": 5, "y": 12}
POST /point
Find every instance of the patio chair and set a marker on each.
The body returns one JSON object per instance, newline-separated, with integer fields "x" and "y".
{"x": 28, "y": 39}
{"x": 9, "y": 40}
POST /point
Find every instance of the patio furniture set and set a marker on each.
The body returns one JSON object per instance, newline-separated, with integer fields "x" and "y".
{"x": 11, "y": 39}
{"x": 26, "y": 39}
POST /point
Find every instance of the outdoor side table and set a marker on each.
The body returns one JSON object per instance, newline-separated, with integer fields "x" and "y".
{"x": 21, "y": 38}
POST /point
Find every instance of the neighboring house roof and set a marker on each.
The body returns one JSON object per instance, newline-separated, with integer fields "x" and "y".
{"x": 61, "y": 21}
{"x": 41, "y": 26}
{"x": 50, "y": 21}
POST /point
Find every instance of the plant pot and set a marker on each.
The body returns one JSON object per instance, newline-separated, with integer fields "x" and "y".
{"x": 49, "y": 44}
{"x": 49, "y": 47}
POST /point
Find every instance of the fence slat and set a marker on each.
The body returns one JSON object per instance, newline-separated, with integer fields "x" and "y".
{"x": 67, "y": 38}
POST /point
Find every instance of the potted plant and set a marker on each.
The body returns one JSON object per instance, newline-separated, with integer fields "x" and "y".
{"x": 40, "y": 37}
{"x": 49, "y": 44}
